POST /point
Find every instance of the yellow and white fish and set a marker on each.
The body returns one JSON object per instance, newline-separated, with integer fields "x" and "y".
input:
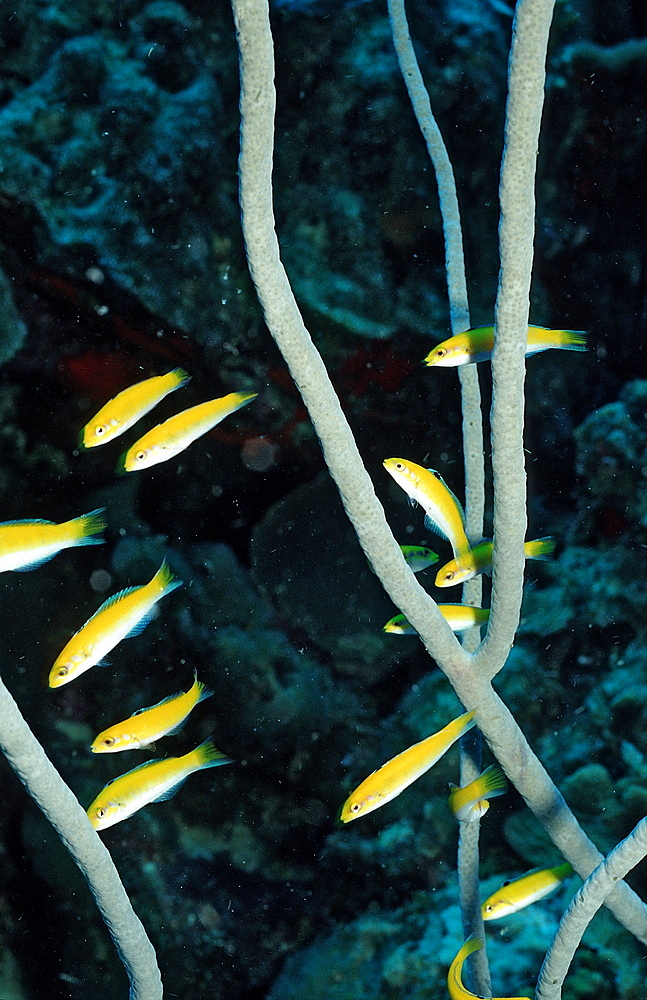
{"x": 470, "y": 802}
{"x": 398, "y": 773}
{"x": 455, "y": 975}
{"x": 419, "y": 557}
{"x": 479, "y": 560}
{"x": 149, "y": 724}
{"x": 477, "y": 345}
{"x": 460, "y": 618}
{"x": 123, "y": 615}
{"x": 174, "y": 435}
{"x": 443, "y": 512}
{"x": 154, "y": 781}
{"x": 516, "y": 894}
{"x": 29, "y": 543}
{"x": 128, "y": 406}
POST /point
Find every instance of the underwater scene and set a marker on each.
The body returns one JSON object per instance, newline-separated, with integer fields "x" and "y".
{"x": 191, "y": 628}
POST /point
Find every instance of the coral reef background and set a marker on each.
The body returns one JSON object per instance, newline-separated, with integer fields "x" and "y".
{"x": 121, "y": 257}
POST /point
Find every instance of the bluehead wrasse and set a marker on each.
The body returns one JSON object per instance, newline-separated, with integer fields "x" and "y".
{"x": 443, "y": 512}
{"x": 128, "y": 406}
{"x": 398, "y": 773}
{"x": 470, "y": 802}
{"x": 154, "y": 781}
{"x": 399, "y": 625}
{"x": 455, "y": 975}
{"x": 418, "y": 557}
{"x": 479, "y": 560}
{"x": 460, "y": 618}
{"x": 477, "y": 345}
{"x": 516, "y": 894}
{"x": 172, "y": 436}
{"x": 29, "y": 543}
{"x": 149, "y": 724}
{"x": 123, "y": 615}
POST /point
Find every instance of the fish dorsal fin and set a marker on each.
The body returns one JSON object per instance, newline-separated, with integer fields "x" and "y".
{"x": 119, "y": 596}
{"x": 158, "y": 704}
{"x": 25, "y": 520}
{"x": 438, "y": 476}
{"x": 140, "y": 767}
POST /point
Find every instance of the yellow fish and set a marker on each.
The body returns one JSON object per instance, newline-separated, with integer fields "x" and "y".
{"x": 123, "y": 615}
{"x": 470, "y": 802}
{"x": 455, "y": 975}
{"x": 443, "y": 512}
{"x": 128, "y": 406}
{"x": 174, "y": 435}
{"x": 516, "y": 894}
{"x": 150, "y": 724}
{"x": 154, "y": 781}
{"x": 460, "y": 617}
{"x": 418, "y": 557}
{"x": 398, "y": 773}
{"x": 477, "y": 344}
{"x": 28, "y": 544}
{"x": 479, "y": 560}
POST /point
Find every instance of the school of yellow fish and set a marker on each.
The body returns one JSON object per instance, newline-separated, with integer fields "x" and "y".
{"x": 26, "y": 544}
{"x": 445, "y": 517}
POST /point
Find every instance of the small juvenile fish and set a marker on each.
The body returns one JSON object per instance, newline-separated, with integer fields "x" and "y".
{"x": 477, "y": 345}
{"x": 154, "y": 781}
{"x": 398, "y": 773}
{"x": 128, "y": 406}
{"x": 418, "y": 557}
{"x": 123, "y": 615}
{"x": 455, "y": 975}
{"x": 28, "y": 544}
{"x": 479, "y": 560}
{"x": 443, "y": 512}
{"x": 518, "y": 893}
{"x": 460, "y": 618}
{"x": 470, "y": 802}
{"x": 149, "y": 724}
{"x": 172, "y": 436}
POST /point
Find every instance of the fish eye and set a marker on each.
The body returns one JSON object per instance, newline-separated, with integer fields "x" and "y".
{"x": 63, "y": 671}
{"x": 109, "y": 741}
{"x": 355, "y": 808}
{"x": 101, "y": 812}
{"x": 489, "y": 908}
{"x": 100, "y": 429}
{"x": 140, "y": 456}
{"x": 399, "y": 466}
{"x": 449, "y": 576}
{"x": 441, "y": 352}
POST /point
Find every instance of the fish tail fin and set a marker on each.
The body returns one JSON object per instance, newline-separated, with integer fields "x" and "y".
{"x": 472, "y": 944}
{"x": 494, "y": 781}
{"x": 564, "y": 870}
{"x": 203, "y": 692}
{"x": 165, "y": 580}
{"x": 540, "y": 548}
{"x": 573, "y": 340}
{"x": 84, "y": 528}
{"x": 208, "y": 755}
{"x": 240, "y": 399}
{"x": 178, "y": 378}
